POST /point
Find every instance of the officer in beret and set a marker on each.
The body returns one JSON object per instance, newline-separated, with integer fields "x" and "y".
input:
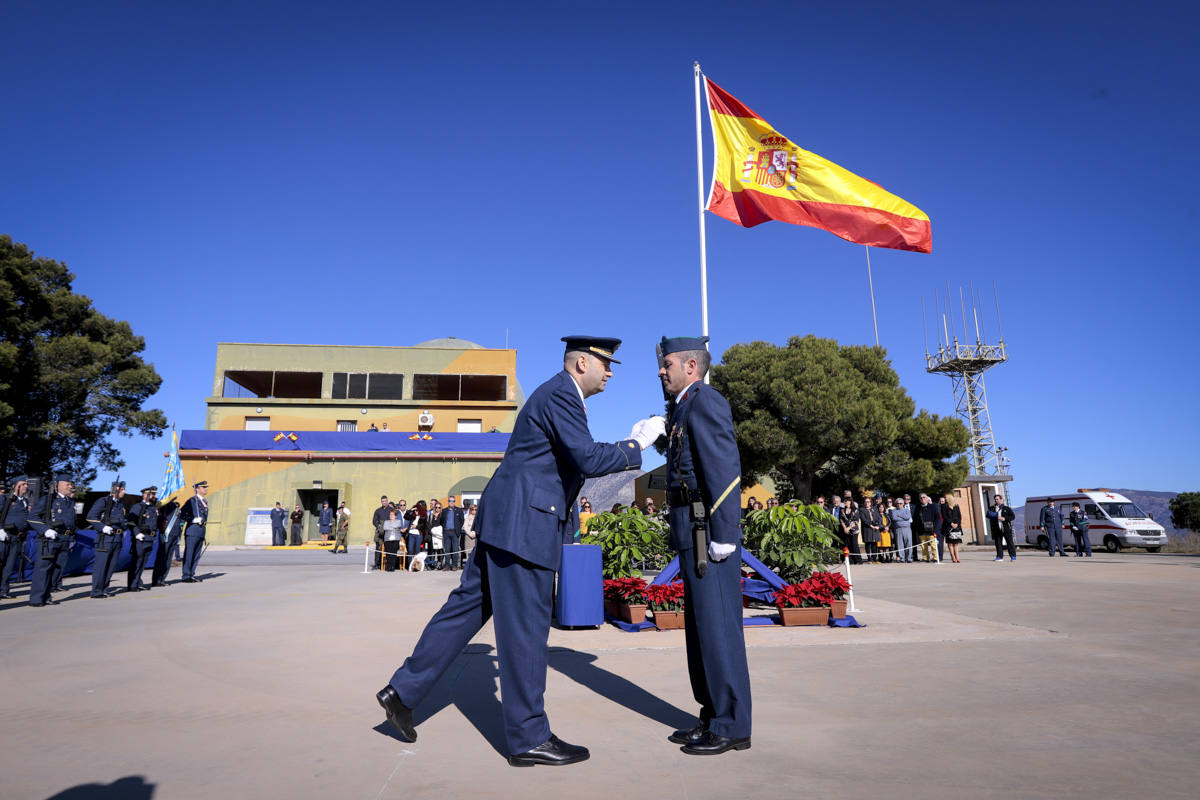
{"x": 704, "y": 480}
{"x": 14, "y": 516}
{"x": 107, "y": 518}
{"x": 54, "y": 525}
{"x": 520, "y": 529}
{"x": 142, "y": 522}
{"x": 195, "y": 515}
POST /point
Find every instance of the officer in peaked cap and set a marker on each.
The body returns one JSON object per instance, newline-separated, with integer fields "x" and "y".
{"x": 14, "y": 516}
{"x": 54, "y": 525}
{"x": 520, "y": 528}
{"x": 704, "y": 480}
{"x": 142, "y": 522}
{"x": 107, "y": 518}
{"x": 195, "y": 516}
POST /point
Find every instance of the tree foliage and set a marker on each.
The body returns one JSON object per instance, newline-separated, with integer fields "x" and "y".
{"x": 69, "y": 376}
{"x": 792, "y": 539}
{"x": 1185, "y": 511}
{"x": 826, "y": 417}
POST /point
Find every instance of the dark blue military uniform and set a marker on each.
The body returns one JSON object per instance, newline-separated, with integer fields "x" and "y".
{"x": 168, "y": 541}
{"x": 1079, "y": 528}
{"x": 107, "y": 512}
{"x": 520, "y": 529}
{"x": 142, "y": 521}
{"x": 1051, "y": 521}
{"x": 195, "y": 517}
{"x": 53, "y": 513}
{"x": 14, "y": 516}
{"x": 325, "y": 520}
{"x": 703, "y": 465}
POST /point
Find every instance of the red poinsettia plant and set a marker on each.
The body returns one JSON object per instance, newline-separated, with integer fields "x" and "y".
{"x": 625, "y": 590}
{"x": 820, "y": 589}
{"x": 665, "y": 596}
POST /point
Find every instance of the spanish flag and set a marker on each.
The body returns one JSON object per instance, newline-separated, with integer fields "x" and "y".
{"x": 760, "y": 175}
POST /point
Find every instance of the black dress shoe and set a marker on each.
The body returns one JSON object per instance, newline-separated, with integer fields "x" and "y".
{"x": 7, "y": 596}
{"x": 98, "y": 596}
{"x": 158, "y": 583}
{"x": 398, "y": 714}
{"x": 712, "y": 744}
{"x": 689, "y": 737}
{"x": 553, "y": 752}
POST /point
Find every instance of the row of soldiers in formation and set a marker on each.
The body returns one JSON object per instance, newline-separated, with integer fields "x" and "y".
{"x": 51, "y": 522}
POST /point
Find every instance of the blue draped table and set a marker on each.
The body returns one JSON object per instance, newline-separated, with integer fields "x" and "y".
{"x": 579, "y": 601}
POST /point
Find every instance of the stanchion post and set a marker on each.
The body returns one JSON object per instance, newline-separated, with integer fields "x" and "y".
{"x": 366, "y": 558}
{"x": 850, "y": 580}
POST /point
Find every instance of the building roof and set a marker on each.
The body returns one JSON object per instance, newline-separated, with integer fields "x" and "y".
{"x": 347, "y": 442}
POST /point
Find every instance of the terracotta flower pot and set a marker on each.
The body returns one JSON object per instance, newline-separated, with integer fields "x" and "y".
{"x": 839, "y": 608}
{"x": 633, "y": 612}
{"x": 668, "y": 620}
{"x": 818, "y": 615}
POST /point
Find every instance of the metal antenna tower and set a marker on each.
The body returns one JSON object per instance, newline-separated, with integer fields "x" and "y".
{"x": 965, "y": 364}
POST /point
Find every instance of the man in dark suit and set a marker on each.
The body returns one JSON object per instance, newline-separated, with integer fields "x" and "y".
{"x": 195, "y": 515}
{"x": 1000, "y": 518}
{"x": 704, "y": 480}
{"x": 278, "y": 520}
{"x": 520, "y": 528}
{"x": 453, "y": 537}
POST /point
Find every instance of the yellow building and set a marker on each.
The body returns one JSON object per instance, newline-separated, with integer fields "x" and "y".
{"x": 306, "y": 424}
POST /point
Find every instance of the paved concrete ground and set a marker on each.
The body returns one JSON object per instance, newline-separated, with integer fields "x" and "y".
{"x": 1039, "y": 678}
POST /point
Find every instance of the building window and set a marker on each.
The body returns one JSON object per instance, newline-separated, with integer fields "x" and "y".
{"x": 347, "y": 425}
{"x": 470, "y": 426}
{"x": 257, "y": 383}
{"x": 258, "y": 423}
{"x": 368, "y": 386}
{"x": 460, "y": 387}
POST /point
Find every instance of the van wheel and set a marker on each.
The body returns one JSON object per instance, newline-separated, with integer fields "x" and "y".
{"x": 1043, "y": 543}
{"x": 1153, "y": 549}
{"x": 1111, "y": 544}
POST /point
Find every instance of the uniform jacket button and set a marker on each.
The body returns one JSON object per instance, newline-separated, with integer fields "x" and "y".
{"x": 551, "y": 508}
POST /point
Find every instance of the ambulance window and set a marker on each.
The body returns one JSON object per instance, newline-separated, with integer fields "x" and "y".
{"x": 1091, "y": 510}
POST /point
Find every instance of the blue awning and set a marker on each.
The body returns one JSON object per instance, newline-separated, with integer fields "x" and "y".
{"x": 330, "y": 441}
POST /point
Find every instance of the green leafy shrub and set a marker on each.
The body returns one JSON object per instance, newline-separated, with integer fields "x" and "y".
{"x": 629, "y": 541}
{"x": 792, "y": 539}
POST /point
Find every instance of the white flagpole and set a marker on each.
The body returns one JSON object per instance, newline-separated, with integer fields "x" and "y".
{"x": 871, "y": 283}
{"x": 700, "y": 198}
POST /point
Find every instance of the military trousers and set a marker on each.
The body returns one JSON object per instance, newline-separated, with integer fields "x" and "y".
{"x": 65, "y": 545}
{"x": 162, "y": 557}
{"x": 10, "y": 557}
{"x": 518, "y": 595}
{"x": 139, "y": 554}
{"x": 1083, "y": 544}
{"x": 108, "y": 551}
{"x": 716, "y": 643}
{"x": 1056, "y": 543}
{"x": 278, "y": 538}
{"x": 193, "y": 545}
{"x": 46, "y": 555}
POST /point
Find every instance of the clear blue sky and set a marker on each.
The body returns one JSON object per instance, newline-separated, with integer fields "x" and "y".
{"x": 363, "y": 173}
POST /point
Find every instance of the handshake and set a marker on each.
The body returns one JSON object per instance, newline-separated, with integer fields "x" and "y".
{"x": 645, "y": 432}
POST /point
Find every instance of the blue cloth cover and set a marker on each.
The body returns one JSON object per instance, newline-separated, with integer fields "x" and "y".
{"x": 580, "y": 598}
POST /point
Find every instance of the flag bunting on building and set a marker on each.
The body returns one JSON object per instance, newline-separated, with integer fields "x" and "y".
{"x": 761, "y": 175}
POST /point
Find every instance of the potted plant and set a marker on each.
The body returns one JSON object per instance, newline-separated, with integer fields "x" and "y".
{"x": 833, "y": 586}
{"x": 802, "y": 603}
{"x": 666, "y": 601}
{"x": 629, "y": 542}
{"x": 625, "y": 598}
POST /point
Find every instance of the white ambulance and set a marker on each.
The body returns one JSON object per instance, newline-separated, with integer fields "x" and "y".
{"x": 1114, "y": 521}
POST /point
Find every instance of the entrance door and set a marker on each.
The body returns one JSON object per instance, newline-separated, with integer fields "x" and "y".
{"x": 312, "y": 500}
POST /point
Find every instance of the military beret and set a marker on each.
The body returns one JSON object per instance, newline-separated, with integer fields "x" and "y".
{"x": 18, "y": 479}
{"x": 150, "y": 489}
{"x": 64, "y": 476}
{"x": 596, "y": 345}
{"x": 682, "y": 344}
{"x": 198, "y": 484}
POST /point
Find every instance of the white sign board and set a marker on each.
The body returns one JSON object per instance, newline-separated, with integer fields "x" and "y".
{"x": 258, "y": 526}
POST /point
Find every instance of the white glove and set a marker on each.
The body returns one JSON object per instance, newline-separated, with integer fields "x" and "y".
{"x": 720, "y": 552}
{"x": 141, "y": 537}
{"x": 51, "y": 534}
{"x": 646, "y": 431}
{"x": 3, "y": 535}
{"x": 197, "y": 521}
{"x": 106, "y": 529}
